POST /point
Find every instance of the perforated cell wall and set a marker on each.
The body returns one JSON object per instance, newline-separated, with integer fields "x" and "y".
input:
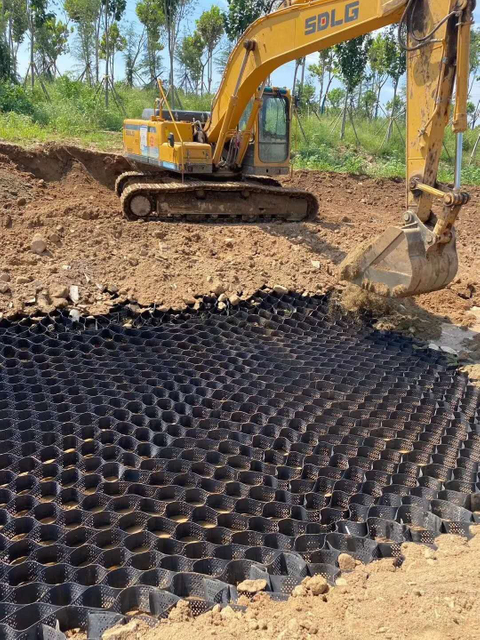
{"x": 149, "y": 458}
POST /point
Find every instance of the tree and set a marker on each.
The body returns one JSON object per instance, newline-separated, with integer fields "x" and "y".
{"x": 395, "y": 65}
{"x": 378, "y": 60}
{"x": 37, "y": 15}
{"x": 320, "y": 70}
{"x": 117, "y": 42}
{"x": 474, "y": 58}
{"x": 190, "y": 57}
{"x": 113, "y": 11}
{"x": 86, "y": 15}
{"x": 210, "y": 29}
{"x": 241, "y": 14}
{"x": 51, "y": 42}
{"x": 7, "y": 73}
{"x": 223, "y": 54}
{"x": 368, "y": 103}
{"x": 133, "y": 47}
{"x": 175, "y": 12}
{"x": 336, "y": 97}
{"x": 306, "y": 93}
{"x": 352, "y": 58}
{"x": 150, "y": 13}
{"x": 14, "y": 25}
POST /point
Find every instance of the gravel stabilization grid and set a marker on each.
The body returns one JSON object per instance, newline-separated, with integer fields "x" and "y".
{"x": 150, "y": 457}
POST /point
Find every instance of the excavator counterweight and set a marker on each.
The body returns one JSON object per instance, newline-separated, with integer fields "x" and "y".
{"x": 223, "y": 165}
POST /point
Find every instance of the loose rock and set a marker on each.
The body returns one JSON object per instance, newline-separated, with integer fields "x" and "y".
{"x": 346, "y": 562}
{"x": 38, "y": 244}
{"x": 218, "y": 288}
{"x": 316, "y": 585}
{"x": 59, "y": 291}
{"x": 252, "y": 586}
{"x": 281, "y": 290}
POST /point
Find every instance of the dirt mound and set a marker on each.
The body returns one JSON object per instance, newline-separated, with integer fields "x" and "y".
{"x": 63, "y": 195}
{"x": 431, "y": 596}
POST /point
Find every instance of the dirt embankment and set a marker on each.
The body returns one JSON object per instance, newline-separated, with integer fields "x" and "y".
{"x": 61, "y": 226}
{"x": 433, "y": 595}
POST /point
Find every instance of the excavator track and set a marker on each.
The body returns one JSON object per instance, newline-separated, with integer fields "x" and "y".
{"x": 199, "y": 201}
{"x": 130, "y": 177}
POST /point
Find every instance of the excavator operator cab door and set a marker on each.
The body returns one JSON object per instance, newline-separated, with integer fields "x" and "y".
{"x": 269, "y": 153}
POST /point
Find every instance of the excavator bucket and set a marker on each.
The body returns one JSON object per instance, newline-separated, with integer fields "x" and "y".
{"x": 402, "y": 262}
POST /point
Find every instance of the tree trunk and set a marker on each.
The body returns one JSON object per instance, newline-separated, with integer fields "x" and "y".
{"x": 475, "y": 115}
{"x": 322, "y": 82}
{"x": 392, "y": 110}
{"x": 377, "y": 103}
{"x": 170, "y": 52}
{"x": 112, "y": 63}
{"x": 107, "y": 53}
{"x": 344, "y": 117}
{"x": 32, "y": 63}
{"x": 98, "y": 26}
{"x": 210, "y": 70}
{"x": 302, "y": 78}
{"x": 297, "y": 62}
{"x": 327, "y": 89}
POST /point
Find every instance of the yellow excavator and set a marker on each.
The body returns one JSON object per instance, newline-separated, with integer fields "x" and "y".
{"x": 222, "y": 165}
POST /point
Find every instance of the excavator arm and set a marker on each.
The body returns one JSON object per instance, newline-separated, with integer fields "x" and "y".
{"x": 419, "y": 255}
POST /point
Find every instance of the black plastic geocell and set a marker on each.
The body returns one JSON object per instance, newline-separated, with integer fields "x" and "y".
{"x": 148, "y": 458}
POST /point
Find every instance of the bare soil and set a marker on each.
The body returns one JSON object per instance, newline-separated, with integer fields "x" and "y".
{"x": 63, "y": 195}
{"x": 93, "y": 259}
{"x": 433, "y": 595}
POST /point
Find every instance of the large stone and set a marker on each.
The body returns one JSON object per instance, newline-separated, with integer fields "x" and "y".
{"x": 59, "y": 291}
{"x": 346, "y": 562}
{"x": 316, "y": 585}
{"x": 38, "y": 244}
{"x": 280, "y": 289}
{"x": 252, "y": 586}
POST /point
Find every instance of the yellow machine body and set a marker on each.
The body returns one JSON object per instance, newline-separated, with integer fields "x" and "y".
{"x": 148, "y": 142}
{"x": 169, "y": 145}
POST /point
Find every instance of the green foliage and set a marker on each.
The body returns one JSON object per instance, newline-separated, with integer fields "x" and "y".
{"x": 475, "y": 55}
{"x": 210, "y": 27}
{"x": 241, "y": 14}
{"x": 14, "y": 98}
{"x": 190, "y": 57}
{"x": 51, "y": 41}
{"x": 305, "y": 93}
{"x": 151, "y": 15}
{"x": 375, "y": 156}
{"x": 352, "y": 57}
{"x": 395, "y": 56}
{"x": 7, "y": 73}
{"x": 335, "y": 97}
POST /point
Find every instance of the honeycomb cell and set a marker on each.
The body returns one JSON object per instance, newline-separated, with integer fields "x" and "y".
{"x": 176, "y": 454}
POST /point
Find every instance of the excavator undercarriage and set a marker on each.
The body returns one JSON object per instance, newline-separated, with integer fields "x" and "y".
{"x": 246, "y": 200}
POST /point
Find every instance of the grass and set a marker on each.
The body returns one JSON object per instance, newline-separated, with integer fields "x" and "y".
{"x": 75, "y": 113}
{"x": 372, "y": 154}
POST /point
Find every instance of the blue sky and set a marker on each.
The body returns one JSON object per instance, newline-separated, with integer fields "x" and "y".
{"x": 282, "y": 77}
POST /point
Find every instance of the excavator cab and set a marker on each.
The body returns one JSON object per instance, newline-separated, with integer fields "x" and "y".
{"x": 268, "y": 154}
